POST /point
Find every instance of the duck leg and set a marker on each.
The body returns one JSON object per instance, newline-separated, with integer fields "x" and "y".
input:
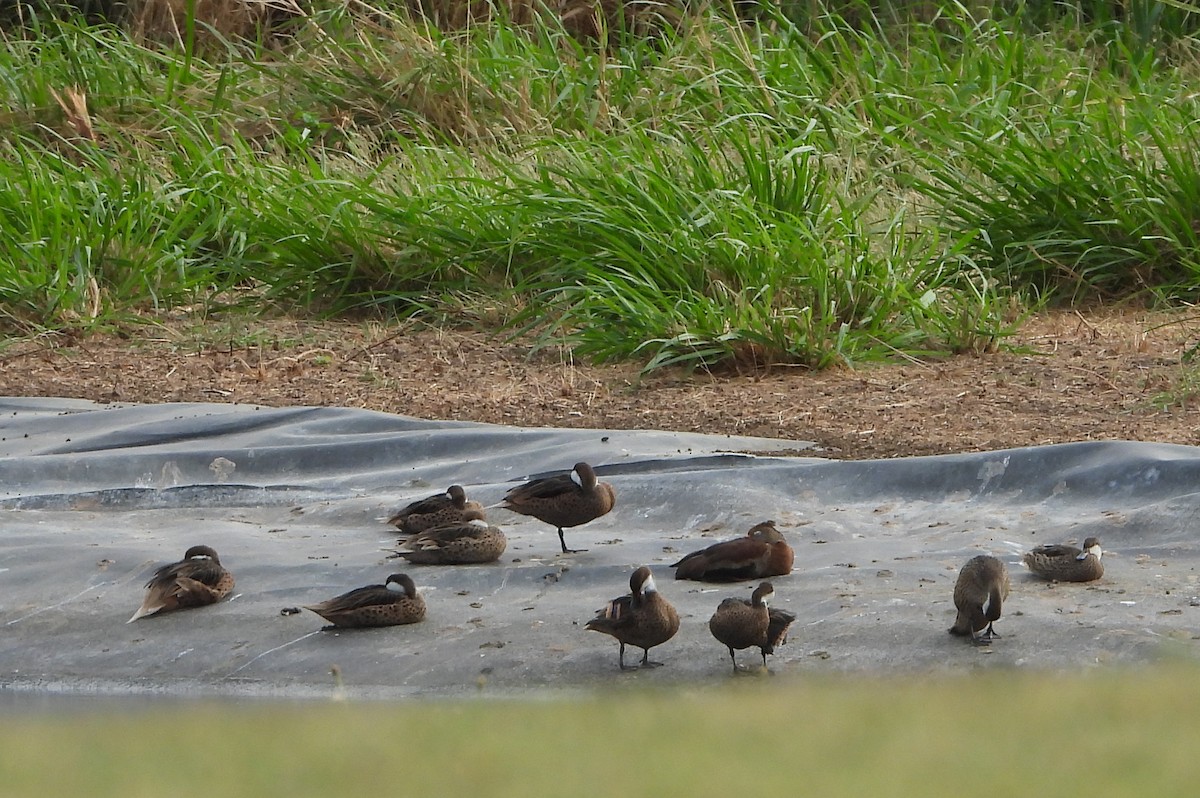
{"x": 733, "y": 659}
{"x": 983, "y": 638}
{"x": 991, "y": 634}
{"x": 621, "y": 660}
{"x": 646, "y": 663}
{"x": 563, "y": 542}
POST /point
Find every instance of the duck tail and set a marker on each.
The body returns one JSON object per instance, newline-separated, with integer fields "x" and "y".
{"x": 142, "y": 612}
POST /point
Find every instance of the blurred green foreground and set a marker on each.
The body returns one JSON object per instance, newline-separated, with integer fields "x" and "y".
{"x": 1116, "y": 732}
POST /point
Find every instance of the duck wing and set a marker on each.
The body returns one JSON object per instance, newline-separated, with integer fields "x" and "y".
{"x": 1056, "y": 550}
{"x": 613, "y": 615}
{"x": 777, "y": 629}
{"x": 204, "y": 571}
{"x": 369, "y": 596}
{"x": 729, "y": 561}
{"x": 544, "y": 488}
{"x": 439, "y": 536}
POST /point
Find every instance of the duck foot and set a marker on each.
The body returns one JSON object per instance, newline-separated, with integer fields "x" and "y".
{"x": 562, "y": 541}
{"x": 624, "y": 667}
{"x": 751, "y": 670}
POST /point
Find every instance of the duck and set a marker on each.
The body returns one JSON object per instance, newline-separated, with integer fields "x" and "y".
{"x": 643, "y": 619}
{"x": 740, "y": 623}
{"x": 450, "y": 507}
{"x": 762, "y": 552}
{"x": 195, "y": 581}
{"x": 394, "y": 602}
{"x": 455, "y": 544}
{"x": 979, "y": 594}
{"x": 563, "y": 500}
{"x": 1062, "y": 563}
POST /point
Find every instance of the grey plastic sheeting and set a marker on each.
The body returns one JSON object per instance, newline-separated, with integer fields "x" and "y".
{"x": 95, "y": 497}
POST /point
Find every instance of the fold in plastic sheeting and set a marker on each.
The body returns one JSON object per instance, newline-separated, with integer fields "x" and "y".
{"x": 94, "y": 497}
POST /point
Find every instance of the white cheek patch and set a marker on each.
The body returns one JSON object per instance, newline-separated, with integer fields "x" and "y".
{"x": 395, "y": 587}
{"x": 648, "y": 586}
{"x": 575, "y": 478}
{"x": 478, "y": 523}
{"x": 987, "y": 603}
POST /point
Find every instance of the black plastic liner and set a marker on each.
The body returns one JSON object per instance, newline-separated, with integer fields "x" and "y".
{"x": 94, "y": 497}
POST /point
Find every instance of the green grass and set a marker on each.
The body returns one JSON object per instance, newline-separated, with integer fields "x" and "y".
{"x": 816, "y": 195}
{"x": 1119, "y": 732}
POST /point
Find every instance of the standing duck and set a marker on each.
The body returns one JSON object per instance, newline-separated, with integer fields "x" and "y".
{"x": 979, "y": 593}
{"x": 563, "y": 500}
{"x": 455, "y": 544}
{"x": 762, "y": 552}
{"x": 1063, "y": 563}
{"x": 393, "y": 603}
{"x": 196, "y": 580}
{"x": 643, "y": 618}
{"x": 739, "y": 624}
{"x": 450, "y": 507}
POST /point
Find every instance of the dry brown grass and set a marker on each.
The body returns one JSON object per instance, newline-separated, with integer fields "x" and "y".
{"x": 583, "y": 19}
{"x": 1104, "y": 375}
{"x": 165, "y": 21}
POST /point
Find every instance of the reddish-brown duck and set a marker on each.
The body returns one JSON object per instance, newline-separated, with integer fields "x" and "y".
{"x": 643, "y": 618}
{"x": 762, "y": 552}
{"x": 741, "y": 623}
{"x": 563, "y": 500}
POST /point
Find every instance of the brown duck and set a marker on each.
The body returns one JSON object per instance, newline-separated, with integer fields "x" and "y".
{"x": 393, "y": 603}
{"x": 740, "y": 623}
{"x": 643, "y": 618}
{"x": 1062, "y": 563}
{"x": 450, "y": 507}
{"x": 762, "y": 552}
{"x": 196, "y": 580}
{"x": 563, "y": 500}
{"x": 979, "y": 593}
{"x": 455, "y": 544}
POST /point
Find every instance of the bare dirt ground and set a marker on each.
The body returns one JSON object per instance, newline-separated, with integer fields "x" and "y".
{"x": 1067, "y": 376}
